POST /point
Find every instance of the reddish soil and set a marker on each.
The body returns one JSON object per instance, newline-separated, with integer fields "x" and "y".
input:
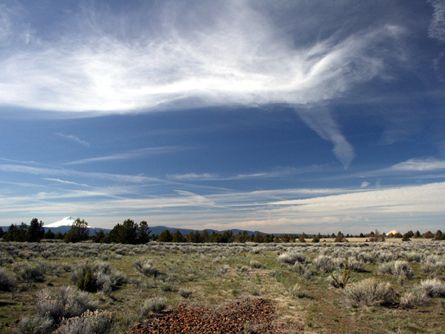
{"x": 253, "y": 316}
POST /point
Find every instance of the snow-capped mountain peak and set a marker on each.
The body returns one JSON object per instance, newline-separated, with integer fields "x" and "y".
{"x": 67, "y": 221}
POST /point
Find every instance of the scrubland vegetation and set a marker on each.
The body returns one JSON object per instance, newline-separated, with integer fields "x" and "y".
{"x": 325, "y": 287}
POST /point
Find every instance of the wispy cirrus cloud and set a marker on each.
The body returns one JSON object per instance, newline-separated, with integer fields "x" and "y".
{"x": 428, "y": 198}
{"x": 194, "y": 177}
{"x": 428, "y": 168}
{"x": 132, "y": 154}
{"x": 437, "y": 24}
{"x": 46, "y": 171}
{"x": 419, "y": 165}
{"x": 62, "y": 181}
{"x": 276, "y": 173}
{"x": 218, "y": 63}
{"x": 364, "y": 184}
{"x": 74, "y": 138}
{"x": 106, "y": 200}
{"x": 322, "y": 122}
{"x": 234, "y": 54}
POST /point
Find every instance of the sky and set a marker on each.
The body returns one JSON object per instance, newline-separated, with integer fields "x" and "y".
{"x": 278, "y": 116}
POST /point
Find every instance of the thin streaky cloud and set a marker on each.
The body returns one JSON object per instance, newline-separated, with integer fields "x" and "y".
{"x": 415, "y": 168}
{"x": 322, "y": 122}
{"x": 419, "y": 165}
{"x": 133, "y": 154}
{"x": 22, "y": 169}
{"x": 74, "y": 138}
{"x": 364, "y": 184}
{"x": 31, "y": 162}
{"x": 62, "y": 181}
{"x": 427, "y": 198}
{"x": 194, "y": 177}
{"x": 437, "y": 24}
{"x": 277, "y": 173}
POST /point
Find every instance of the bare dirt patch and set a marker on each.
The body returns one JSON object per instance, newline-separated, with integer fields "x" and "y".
{"x": 249, "y": 315}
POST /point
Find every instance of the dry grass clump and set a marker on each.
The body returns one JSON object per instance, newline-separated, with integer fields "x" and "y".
{"x": 413, "y": 256}
{"x": 185, "y": 293}
{"x": 147, "y": 268}
{"x": 434, "y": 265}
{"x": 99, "y": 276}
{"x": 356, "y": 266}
{"x": 292, "y": 257}
{"x": 365, "y": 257}
{"x": 54, "y": 306}
{"x": 63, "y": 302}
{"x": 88, "y": 323}
{"x": 256, "y": 264}
{"x": 370, "y": 292}
{"x": 325, "y": 263}
{"x": 385, "y": 256}
{"x": 35, "y": 325}
{"x": 433, "y": 287}
{"x": 297, "y": 292}
{"x": 7, "y": 280}
{"x": 403, "y": 269}
{"x": 339, "y": 279}
{"x": 414, "y": 298}
{"x": 398, "y": 268}
{"x": 29, "y": 273}
{"x": 153, "y": 305}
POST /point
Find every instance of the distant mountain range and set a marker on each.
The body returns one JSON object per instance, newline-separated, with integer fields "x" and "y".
{"x": 156, "y": 230}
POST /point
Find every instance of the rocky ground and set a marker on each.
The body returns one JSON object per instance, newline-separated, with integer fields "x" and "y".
{"x": 250, "y": 315}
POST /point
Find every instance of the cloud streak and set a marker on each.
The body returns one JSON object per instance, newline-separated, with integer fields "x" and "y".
{"x": 437, "y": 24}
{"x": 133, "y": 154}
{"x": 323, "y": 124}
{"x": 428, "y": 198}
{"x": 419, "y": 165}
{"x": 74, "y": 138}
{"x": 45, "y": 171}
{"x": 277, "y": 173}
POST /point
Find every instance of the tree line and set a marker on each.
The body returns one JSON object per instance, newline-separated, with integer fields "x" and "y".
{"x": 130, "y": 232}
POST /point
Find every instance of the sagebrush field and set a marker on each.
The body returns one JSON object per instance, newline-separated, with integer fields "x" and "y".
{"x": 354, "y": 287}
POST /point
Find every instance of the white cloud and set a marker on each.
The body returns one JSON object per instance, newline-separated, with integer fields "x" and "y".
{"x": 241, "y": 58}
{"x": 61, "y": 181}
{"x": 234, "y": 54}
{"x": 419, "y": 165}
{"x": 279, "y": 172}
{"x": 437, "y": 24}
{"x": 106, "y": 200}
{"x": 321, "y": 121}
{"x": 364, "y": 184}
{"x": 22, "y": 169}
{"x": 5, "y": 23}
{"x": 428, "y": 199}
{"x": 194, "y": 176}
{"x": 74, "y": 139}
{"x": 127, "y": 155}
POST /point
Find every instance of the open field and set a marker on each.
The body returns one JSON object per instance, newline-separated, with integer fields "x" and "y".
{"x": 351, "y": 287}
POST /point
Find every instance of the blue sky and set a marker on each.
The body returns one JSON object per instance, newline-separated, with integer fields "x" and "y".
{"x": 284, "y": 116}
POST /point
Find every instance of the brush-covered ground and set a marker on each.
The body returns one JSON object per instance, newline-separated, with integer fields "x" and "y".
{"x": 312, "y": 288}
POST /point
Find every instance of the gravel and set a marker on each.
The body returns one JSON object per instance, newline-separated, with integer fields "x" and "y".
{"x": 250, "y": 315}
